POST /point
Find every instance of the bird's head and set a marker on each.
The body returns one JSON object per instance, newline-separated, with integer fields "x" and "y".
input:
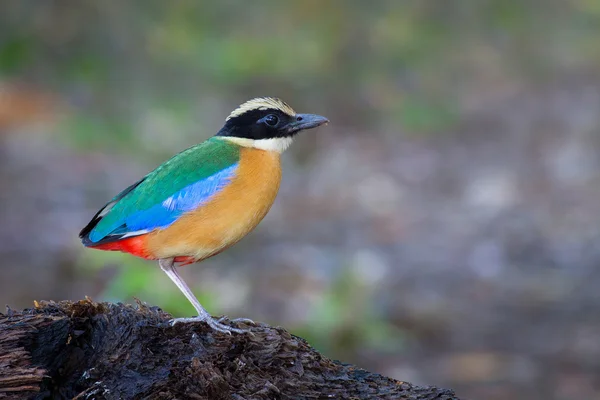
{"x": 267, "y": 123}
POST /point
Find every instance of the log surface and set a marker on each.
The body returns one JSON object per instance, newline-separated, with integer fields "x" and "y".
{"x": 87, "y": 350}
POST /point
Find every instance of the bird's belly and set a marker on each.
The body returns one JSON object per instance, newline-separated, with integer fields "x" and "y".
{"x": 228, "y": 216}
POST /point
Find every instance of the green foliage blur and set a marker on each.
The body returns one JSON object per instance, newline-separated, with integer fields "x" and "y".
{"x": 377, "y": 65}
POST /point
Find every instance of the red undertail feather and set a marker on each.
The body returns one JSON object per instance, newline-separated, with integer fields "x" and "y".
{"x": 135, "y": 245}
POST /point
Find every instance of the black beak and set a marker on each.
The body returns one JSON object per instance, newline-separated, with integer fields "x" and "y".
{"x": 307, "y": 121}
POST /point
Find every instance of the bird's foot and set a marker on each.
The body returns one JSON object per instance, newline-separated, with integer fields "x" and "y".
{"x": 214, "y": 324}
{"x": 236, "y": 320}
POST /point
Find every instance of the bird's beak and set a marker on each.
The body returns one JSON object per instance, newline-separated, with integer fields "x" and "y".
{"x": 307, "y": 121}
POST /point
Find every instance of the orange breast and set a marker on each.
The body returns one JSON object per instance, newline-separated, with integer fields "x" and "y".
{"x": 229, "y": 216}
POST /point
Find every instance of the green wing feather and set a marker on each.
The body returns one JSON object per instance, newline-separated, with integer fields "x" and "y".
{"x": 141, "y": 199}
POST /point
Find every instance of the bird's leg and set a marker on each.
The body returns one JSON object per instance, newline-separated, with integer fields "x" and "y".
{"x": 168, "y": 265}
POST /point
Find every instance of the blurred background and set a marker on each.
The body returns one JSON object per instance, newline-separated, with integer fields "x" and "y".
{"x": 442, "y": 230}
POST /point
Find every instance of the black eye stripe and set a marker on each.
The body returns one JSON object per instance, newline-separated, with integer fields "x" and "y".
{"x": 253, "y": 124}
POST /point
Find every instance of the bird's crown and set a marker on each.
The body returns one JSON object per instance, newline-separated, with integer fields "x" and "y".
{"x": 262, "y": 103}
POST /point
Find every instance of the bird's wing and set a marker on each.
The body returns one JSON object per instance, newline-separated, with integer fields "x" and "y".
{"x": 181, "y": 184}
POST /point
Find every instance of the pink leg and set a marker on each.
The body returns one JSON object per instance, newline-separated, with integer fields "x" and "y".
{"x": 168, "y": 265}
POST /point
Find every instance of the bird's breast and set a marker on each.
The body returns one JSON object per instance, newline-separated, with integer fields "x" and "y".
{"x": 228, "y": 216}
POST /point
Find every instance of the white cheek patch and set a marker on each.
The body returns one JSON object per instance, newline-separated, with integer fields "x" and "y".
{"x": 275, "y": 144}
{"x": 278, "y": 145}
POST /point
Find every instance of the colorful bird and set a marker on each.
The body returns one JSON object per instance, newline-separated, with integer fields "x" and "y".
{"x": 205, "y": 198}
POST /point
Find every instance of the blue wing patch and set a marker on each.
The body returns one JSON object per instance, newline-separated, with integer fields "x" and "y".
{"x": 164, "y": 214}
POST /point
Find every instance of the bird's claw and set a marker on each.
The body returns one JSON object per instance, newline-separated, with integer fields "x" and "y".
{"x": 214, "y": 324}
{"x": 236, "y": 320}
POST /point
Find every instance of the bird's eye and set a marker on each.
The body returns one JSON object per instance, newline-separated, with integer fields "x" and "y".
{"x": 271, "y": 120}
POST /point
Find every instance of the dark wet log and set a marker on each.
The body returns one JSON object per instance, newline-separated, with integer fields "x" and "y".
{"x": 88, "y": 350}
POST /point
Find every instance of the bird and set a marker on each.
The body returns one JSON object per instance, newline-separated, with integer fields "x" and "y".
{"x": 204, "y": 199}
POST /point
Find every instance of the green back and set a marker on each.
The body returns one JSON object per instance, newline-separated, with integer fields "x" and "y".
{"x": 186, "y": 168}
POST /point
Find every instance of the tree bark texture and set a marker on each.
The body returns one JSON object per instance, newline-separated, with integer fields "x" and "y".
{"x": 87, "y": 350}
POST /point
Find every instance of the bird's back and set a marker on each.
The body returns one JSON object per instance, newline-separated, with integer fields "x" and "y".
{"x": 193, "y": 206}
{"x": 229, "y": 215}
